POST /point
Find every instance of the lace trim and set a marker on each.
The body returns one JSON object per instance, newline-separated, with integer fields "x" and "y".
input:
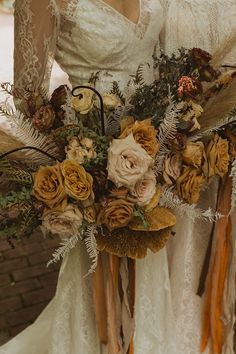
{"x": 32, "y": 68}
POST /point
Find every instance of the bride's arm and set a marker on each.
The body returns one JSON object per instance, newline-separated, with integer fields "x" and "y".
{"x": 36, "y": 28}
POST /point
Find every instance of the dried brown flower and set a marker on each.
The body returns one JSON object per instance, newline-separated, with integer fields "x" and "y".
{"x": 172, "y": 167}
{"x": 194, "y": 154}
{"x": 44, "y": 118}
{"x": 189, "y": 87}
{"x": 59, "y": 96}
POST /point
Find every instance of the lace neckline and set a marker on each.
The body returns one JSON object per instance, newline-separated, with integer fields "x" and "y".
{"x": 141, "y": 26}
{"x": 125, "y": 18}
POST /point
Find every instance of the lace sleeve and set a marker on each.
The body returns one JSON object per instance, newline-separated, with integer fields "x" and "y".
{"x": 36, "y": 28}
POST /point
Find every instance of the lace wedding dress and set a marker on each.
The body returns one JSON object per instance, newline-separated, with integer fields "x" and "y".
{"x": 86, "y": 36}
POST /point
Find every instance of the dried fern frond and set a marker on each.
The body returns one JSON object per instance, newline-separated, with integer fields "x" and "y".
{"x": 29, "y": 136}
{"x": 8, "y": 143}
{"x": 167, "y": 132}
{"x": 91, "y": 246}
{"x": 223, "y": 50}
{"x": 65, "y": 247}
{"x": 170, "y": 200}
{"x": 218, "y": 109}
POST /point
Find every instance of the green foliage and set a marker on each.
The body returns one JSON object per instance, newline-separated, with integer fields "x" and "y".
{"x": 116, "y": 91}
{"x": 13, "y": 197}
{"x": 139, "y": 213}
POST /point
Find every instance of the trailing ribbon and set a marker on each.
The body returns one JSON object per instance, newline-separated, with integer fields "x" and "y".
{"x": 213, "y": 327}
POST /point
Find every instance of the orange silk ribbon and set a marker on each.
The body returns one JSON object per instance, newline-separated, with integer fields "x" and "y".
{"x": 213, "y": 327}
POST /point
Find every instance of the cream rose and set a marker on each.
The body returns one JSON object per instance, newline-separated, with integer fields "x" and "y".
{"x": 145, "y": 189}
{"x": 64, "y": 224}
{"x": 80, "y": 150}
{"x": 128, "y": 162}
{"x": 83, "y": 102}
{"x": 110, "y": 101}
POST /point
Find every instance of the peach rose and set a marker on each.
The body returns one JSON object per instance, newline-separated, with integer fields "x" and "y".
{"x": 127, "y": 162}
{"x": 48, "y": 185}
{"x": 172, "y": 167}
{"x": 145, "y": 189}
{"x": 65, "y": 223}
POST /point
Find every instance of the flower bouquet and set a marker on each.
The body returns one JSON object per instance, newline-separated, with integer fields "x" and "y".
{"x": 112, "y": 169}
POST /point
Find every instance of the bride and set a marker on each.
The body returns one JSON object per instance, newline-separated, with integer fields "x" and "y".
{"x": 114, "y": 37}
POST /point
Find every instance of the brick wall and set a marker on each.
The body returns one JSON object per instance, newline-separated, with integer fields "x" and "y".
{"x": 26, "y": 284}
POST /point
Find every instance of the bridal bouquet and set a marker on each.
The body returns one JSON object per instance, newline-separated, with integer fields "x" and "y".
{"x": 112, "y": 170}
{"x": 109, "y": 169}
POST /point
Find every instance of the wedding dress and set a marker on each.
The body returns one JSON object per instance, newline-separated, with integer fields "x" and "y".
{"x": 86, "y": 36}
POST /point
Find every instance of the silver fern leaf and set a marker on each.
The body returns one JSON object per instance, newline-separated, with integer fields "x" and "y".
{"x": 170, "y": 200}
{"x": 233, "y": 175}
{"x": 65, "y": 247}
{"x": 112, "y": 121}
{"x": 24, "y": 131}
{"x": 167, "y": 132}
{"x": 91, "y": 246}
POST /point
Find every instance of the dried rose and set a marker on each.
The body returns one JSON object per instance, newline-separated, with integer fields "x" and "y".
{"x": 87, "y": 143}
{"x": 78, "y": 183}
{"x": 127, "y": 162}
{"x": 59, "y": 96}
{"x": 189, "y": 87}
{"x": 44, "y": 118}
{"x": 117, "y": 213}
{"x": 218, "y": 156}
{"x": 172, "y": 167}
{"x": 90, "y": 214}
{"x": 65, "y": 223}
{"x": 145, "y": 189}
{"x": 110, "y": 101}
{"x": 48, "y": 185}
{"x": 201, "y": 57}
{"x": 83, "y": 102}
{"x": 194, "y": 154}
{"x": 189, "y": 184}
{"x": 144, "y": 134}
{"x": 190, "y": 112}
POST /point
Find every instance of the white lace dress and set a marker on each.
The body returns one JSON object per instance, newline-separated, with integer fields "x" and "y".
{"x": 86, "y": 36}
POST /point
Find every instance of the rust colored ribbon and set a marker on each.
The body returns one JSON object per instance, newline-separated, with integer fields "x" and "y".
{"x": 213, "y": 327}
{"x": 109, "y": 299}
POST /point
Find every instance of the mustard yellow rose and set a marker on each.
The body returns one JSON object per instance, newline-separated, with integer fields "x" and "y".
{"x": 144, "y": 134}
{"x": 78, "y": 183}
{"x": 193, "y": 154}
{"x": 117, "y": 213}
{"x": 48, "y": 185}
{"x": 189, "y": 184}
{"x": 218, "y": 156}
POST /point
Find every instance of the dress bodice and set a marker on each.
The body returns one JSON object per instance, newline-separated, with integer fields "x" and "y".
{"x": 96, "y": 37}
{"x": 84, "y": 36}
